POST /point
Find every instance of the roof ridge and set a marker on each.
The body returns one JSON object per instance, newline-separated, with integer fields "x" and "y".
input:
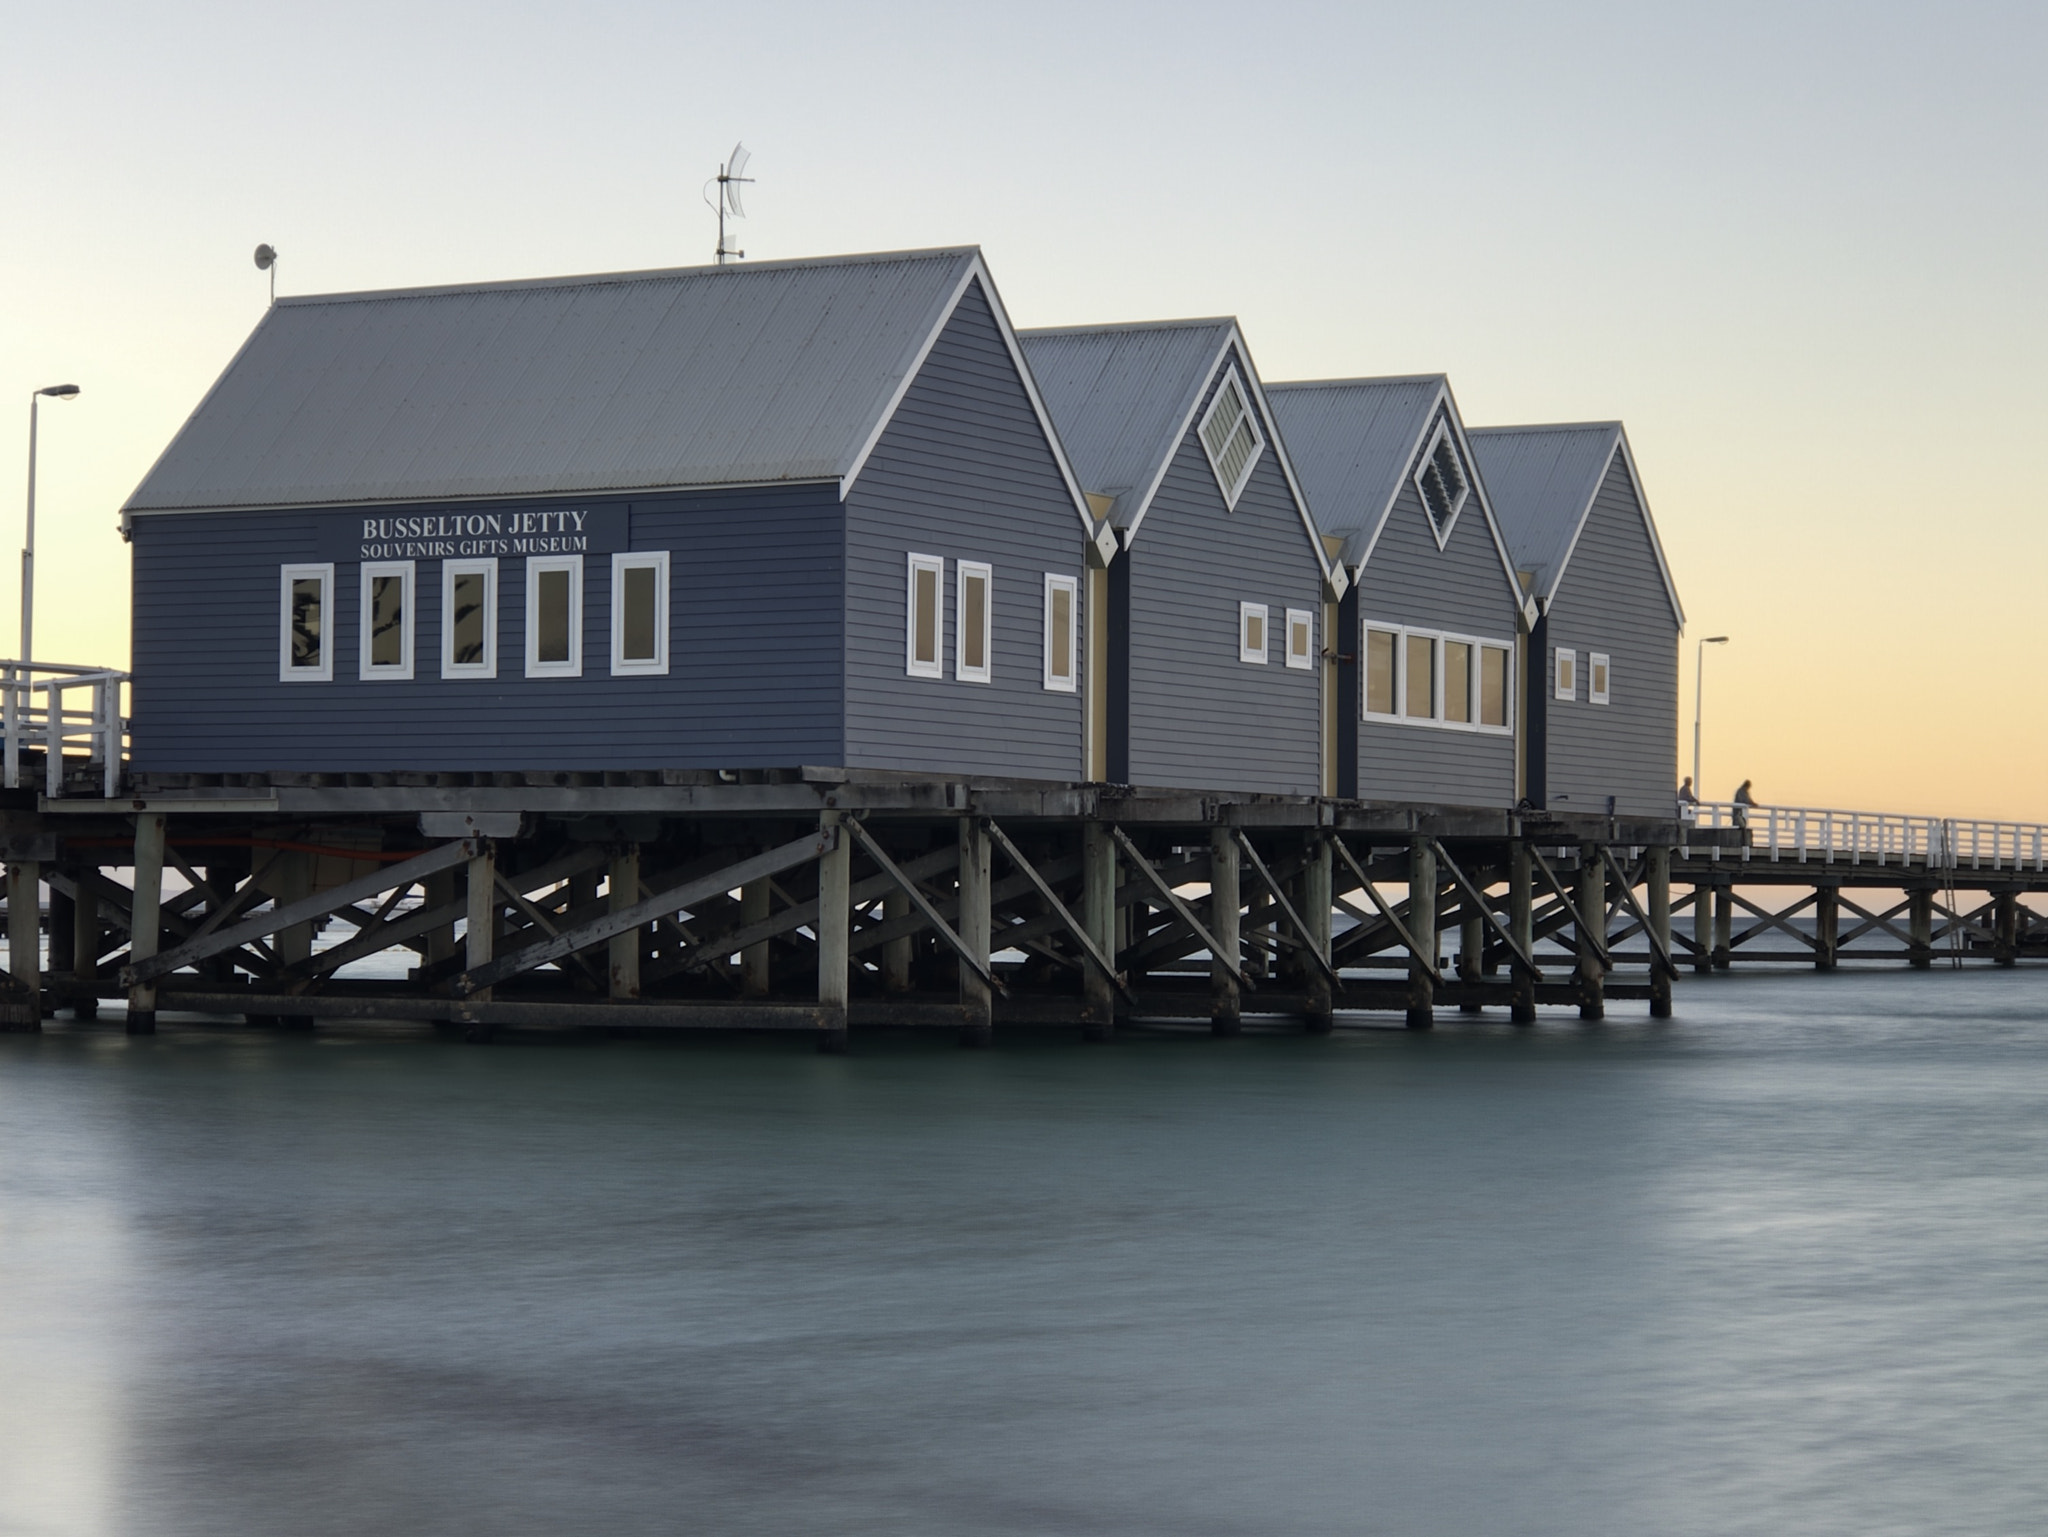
{"x": 1334, "y": 384}
{"x": 639, "y": 275}
{"x": 1613, "y": 426}
{"x": 1106, "y": 327}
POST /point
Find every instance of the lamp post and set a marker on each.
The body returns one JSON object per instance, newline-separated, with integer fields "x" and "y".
{"x": 1698, "y": 676}
{"x": 28, "y": 548}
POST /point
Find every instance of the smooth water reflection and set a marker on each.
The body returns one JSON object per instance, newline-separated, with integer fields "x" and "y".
{"x": 1777, "y": 1267}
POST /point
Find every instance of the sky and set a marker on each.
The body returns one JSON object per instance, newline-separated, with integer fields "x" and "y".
{"x": 1797, "y": 248}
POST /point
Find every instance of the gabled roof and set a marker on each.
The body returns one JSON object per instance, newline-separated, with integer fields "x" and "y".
{"x": 1124, "y": 398}
{"x": 1355, "y": 442}
{"x": 1544, "y": 480}
{"x": 694, "y": 376}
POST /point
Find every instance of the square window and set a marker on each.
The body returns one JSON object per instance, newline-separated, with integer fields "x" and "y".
{"x": 385, "y": 634}
{"x": 1251, "y": 633}
{"x": 924, "y": 592}
{"x": 1230, "y": 437}
{"x": 639, "y": 612}
{"x": 1380, "y": 678}
{"x": 1493, "y": 686}
{"x": 1566, "y": 677}
{"x": 1596, "y": 677}
{"x": 974, "y": 625}
{"x": 1458, "y": 682}
{"x": 1418, "y": 701}
{"x": 554, "y": 616}
{"x": 469, "y": 619}
{"x": 1062, "y": 632}
{"x": 305, "y": 643}
{"x": 1301, "y": 638}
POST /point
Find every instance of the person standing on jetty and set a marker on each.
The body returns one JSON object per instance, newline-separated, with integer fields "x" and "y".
{"x": 1743, "y": 801}
{"x": 1688, "y": 802}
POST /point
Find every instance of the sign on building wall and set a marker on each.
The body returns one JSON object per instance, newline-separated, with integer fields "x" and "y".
{"x": 457, "y": 535}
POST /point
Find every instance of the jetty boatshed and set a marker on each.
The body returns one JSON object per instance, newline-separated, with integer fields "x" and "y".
{"x": 1211, "y": 646}
{"x": 1429, "y": 630}
{"x": 762, "y": 515}
{"x": 1602, "y": 700}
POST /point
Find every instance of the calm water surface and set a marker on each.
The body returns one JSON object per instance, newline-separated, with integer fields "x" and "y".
{"x": 1776, "y": 1267}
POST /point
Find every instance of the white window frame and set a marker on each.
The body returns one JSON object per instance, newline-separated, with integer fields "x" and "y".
{"x": 286, "y": 673}
{"x": 962, "y": 570}
{"x": 1564, "y": 673}
{"x": 1071, "y": 586}
{"x": 451, "y": 569}
{"x": 535, "y": 667}
{"x": 1443, "y": 639}
{"x": 631, "y": 560}
{"x": 936, "y": 667}
{"x": 1305, "y": 659}
{"x": 366, "y": 575}
{"x": 1436, "y": 440}
{"x": 1597, "y": 664}
{"x": 1264, "y": 654}
{"x": 1231, "y": 386}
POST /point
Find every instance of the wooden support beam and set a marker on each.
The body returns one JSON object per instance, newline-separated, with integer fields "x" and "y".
{"x": 1226, "y": 963}
{"x": 1317, "y": 959}
{"x": 1422, "y": 894}
{"x": 85, "y": 951}
{"x": 1077, "y": 931}
{"x": 1316, "y": 878}
{"x": 1827, "y": 927}
{"x": 25, "y": 936}
{"x": 1173, "y": 900}
{"x": 1657, "y": 860}
{"x": 1724, "y": 927}
{"x": 976, "y": 920}
{"x": 2005, "y": 928}
{"x": 1477, "y": 910}
{"x": 961, "y": 943}
{"x": 834, "y": 928}
{"x": 1416, "y": 953}
{"x": 622, "y": 888}
{"x": 1099, "y": 985}
{"x": 145, "y": 921}
{"x": 1522, "y": 931}
{"x": 480, "y": 919}
{"x": 1593, "y": 957}
{"x": 1660, "y": 946}
{"x": 1920, "y": 923}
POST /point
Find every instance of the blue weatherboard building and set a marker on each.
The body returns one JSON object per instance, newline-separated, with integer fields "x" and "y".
{"x": 770, "y": 514}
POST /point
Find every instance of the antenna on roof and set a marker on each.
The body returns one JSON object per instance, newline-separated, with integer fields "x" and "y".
{"x": 266, "y": 261}
{"x": 730, "y": 180}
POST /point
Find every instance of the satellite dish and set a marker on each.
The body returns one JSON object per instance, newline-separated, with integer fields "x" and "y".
{"x": 266, "y": 257}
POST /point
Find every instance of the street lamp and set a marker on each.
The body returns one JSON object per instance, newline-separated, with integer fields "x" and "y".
{"x": 28, "y": 549}
{"x": 1698, "y": 675}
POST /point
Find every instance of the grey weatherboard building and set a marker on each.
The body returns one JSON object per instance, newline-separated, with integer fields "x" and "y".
{"x": 1208, "y": 632}
{"x": 629, "y": 521}
{"x": 1601, "y": 727}
{"x": 1428, "y": 632}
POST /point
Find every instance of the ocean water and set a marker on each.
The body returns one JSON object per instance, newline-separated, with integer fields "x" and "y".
{"x": 1778, "y": 1265}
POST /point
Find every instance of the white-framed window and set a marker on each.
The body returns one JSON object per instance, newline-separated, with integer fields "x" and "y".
{"x": 1301, "y": 638}
{"x": 974, "y": 625}
{"x": 469, "y": 618}
{"x": 305, "y": 624}
{"x": 639, "y": 612}
{"x": 1434, "y": 678}
{"x": 1441, "y": 480}
{"x": 384, "y": 637}
{"x": 923, "y": 628}
{"x": 1597, "y": 671}
{"x": 1062, "y": 632}
{"x": 1230, "y": 436}
{"x": 554, "y": 616}
{"x": 1564, "y": 674}
{"x": 1251, "y": 633}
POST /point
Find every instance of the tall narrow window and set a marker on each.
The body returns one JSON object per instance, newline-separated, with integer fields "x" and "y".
{"x": 1062, "y": 632}
{"x": 1596, "y": 677}
{"x": 1566, "y": 680}
{"x": 1251, "y": 632}
{"x": 639, "y": 612}
{"x": 554, "y": 616}
{"x": 1493, "y": 686}
{"x": 305, "y": 640}
{"x": 1230, "y": 436}
{"x": 974, "y": 625}
{"x": 1380, "y": 678}
{"x": 1418, "y": 701}
{"x": 386, "y": 630}
{"x": 924, "y": 592}
{"x": 1301, "y": 638}
{"x": 1458, "y": 682}
{"x": 469, "y": 619}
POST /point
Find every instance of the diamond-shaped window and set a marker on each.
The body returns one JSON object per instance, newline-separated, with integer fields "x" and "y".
{"x": 1442, "y": 481}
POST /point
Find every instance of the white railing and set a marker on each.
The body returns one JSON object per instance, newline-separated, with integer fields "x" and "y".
{"x": 1804, "y": 833}
{"x": 54, "y": 722}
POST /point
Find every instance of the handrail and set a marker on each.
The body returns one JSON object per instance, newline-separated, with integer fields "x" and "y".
{"x": 55, "y": 723}
{"x": 1802, "y": 834}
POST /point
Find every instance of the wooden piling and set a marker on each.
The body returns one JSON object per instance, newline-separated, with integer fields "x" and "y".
{"x": 1522, "y": 924}
{"x": 1827, "y": 926}
{"x": 1471, "y": 942}
{"x": 146, "y": 917}
{"x": 438, "y": 943}
{"x": 25, "y": 937}
{"x": 1591, "y": 931}
{"x": 2005, "y": 927}
{"x": 1724, "y": 926}
{"x": 1920, "y": 927}
{"x": 1226, "y": 1006}
{"x": 1703, "y": 929}
{"x": 834, "y": 931}
{"x": 976, "y": 920}
{"x": 622, "y": 888}
{"x": 1657, "y": 860}
{"x": 1316, "y": 904}
{"x": 1098, "y": 917}
{"x": 1422, "y": 893}
{"x": 897, "y": 953}
{"x": 85, "y": 953}
{"x": 480, "y": 923}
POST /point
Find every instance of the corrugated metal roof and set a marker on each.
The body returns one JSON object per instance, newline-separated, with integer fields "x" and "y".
{"x": 1120, "y": 397}
{"x": 1543, "y": 480}
{"x": 1351, "y": 441}
{"x": 690, "y": 376}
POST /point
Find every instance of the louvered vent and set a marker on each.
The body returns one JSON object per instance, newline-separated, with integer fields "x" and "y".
{"x": 1231, "y": 436}
{"x": 1441, "y": 480}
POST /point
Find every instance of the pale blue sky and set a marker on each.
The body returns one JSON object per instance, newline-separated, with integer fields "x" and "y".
{"x": 1798, "y": 248}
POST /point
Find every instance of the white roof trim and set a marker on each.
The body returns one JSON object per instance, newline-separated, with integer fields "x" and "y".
{"x": 492, "y": 498}
{"x": 976, "y": 268}
{"x": 1628, "y": 459}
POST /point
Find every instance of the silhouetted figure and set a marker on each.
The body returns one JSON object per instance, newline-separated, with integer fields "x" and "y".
{"x": 1688, "y": 803}
{"x": 1743, "y": 801}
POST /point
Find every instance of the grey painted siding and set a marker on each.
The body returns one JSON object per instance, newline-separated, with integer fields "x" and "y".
{"x": 1612, "y": 599}
{"x": 1199, "y": 717}
{"x": 1462, "y": 588}
{"x": 964, "y": 471}
{"x": 755, "y": 653}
